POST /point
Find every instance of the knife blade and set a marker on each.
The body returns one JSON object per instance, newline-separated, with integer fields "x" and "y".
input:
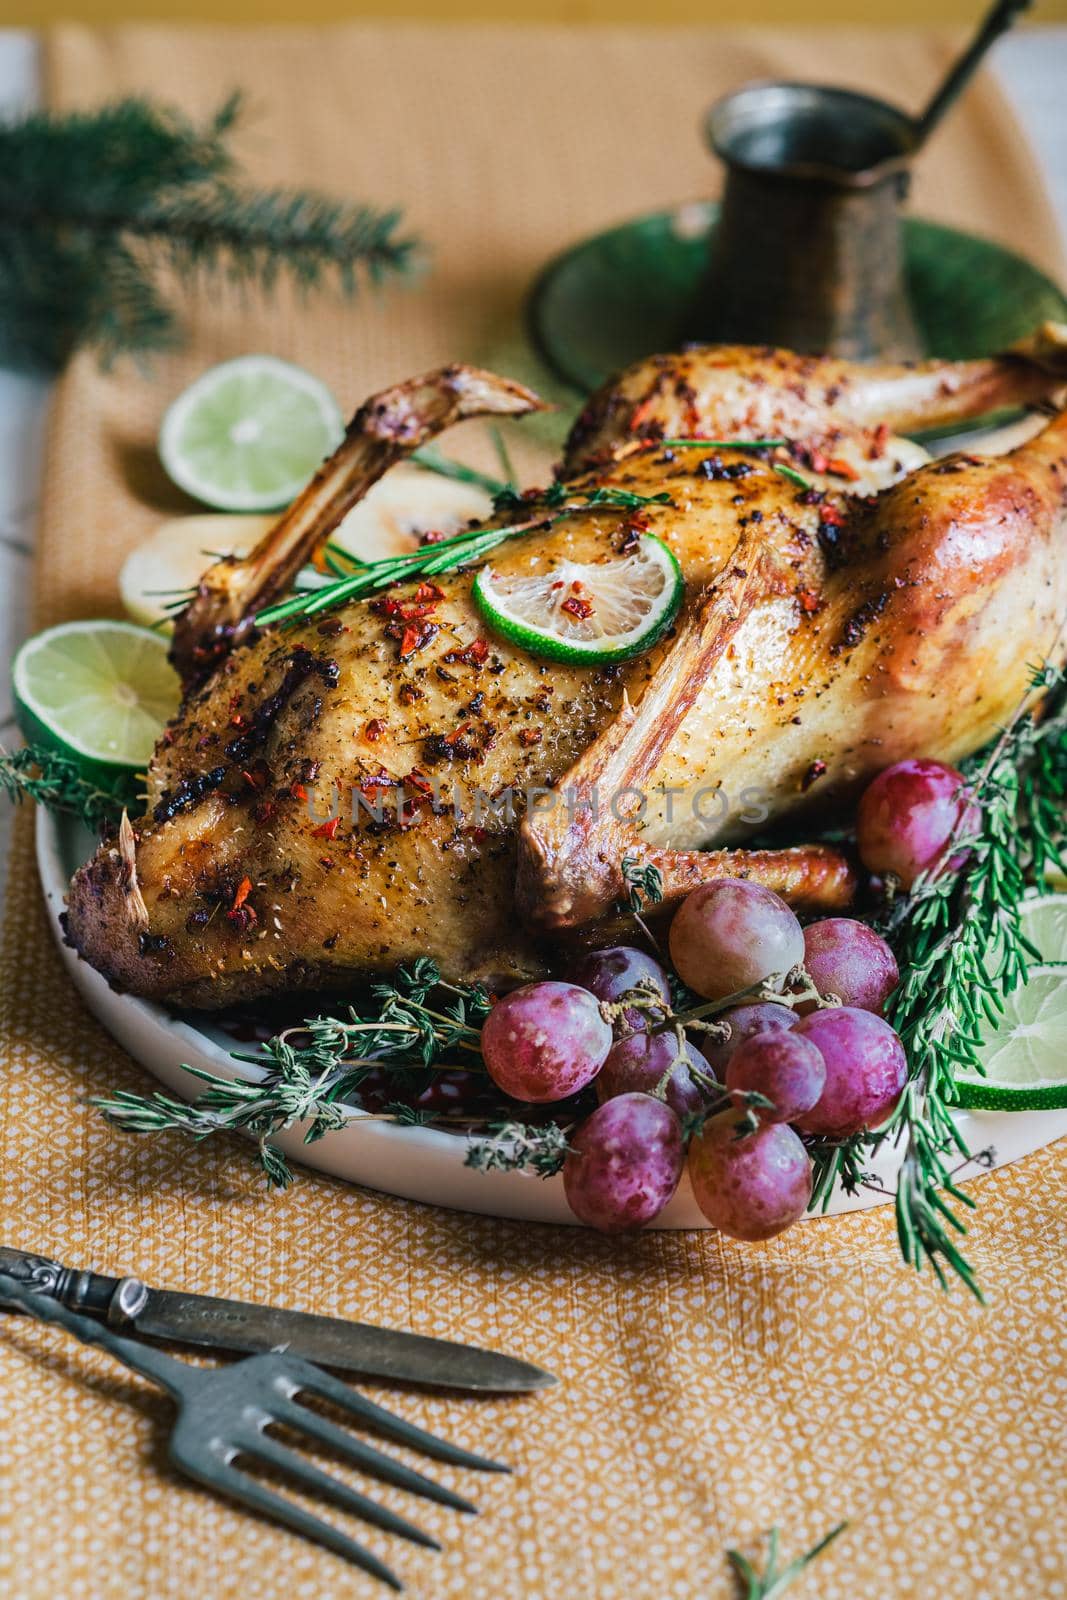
{"x": 204, "y": 1320}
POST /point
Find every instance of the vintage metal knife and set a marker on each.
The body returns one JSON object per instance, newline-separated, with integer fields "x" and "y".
{"x": 198, "y": 1319}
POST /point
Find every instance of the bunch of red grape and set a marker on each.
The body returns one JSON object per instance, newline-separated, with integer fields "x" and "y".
{"x": 805, "y": 1050}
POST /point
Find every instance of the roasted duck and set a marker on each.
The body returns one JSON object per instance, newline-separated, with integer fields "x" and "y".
{"x": 894, "y": 608}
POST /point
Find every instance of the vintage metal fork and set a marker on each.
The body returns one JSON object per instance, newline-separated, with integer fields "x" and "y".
{"x": 223, "y": 1415}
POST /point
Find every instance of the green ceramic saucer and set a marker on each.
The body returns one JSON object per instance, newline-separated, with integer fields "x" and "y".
{"x": 623, "y": 294}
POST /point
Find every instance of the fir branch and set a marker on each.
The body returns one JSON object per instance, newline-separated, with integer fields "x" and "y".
{"x": 55, "y": 781}
{"x": 771, "y": 1583}
{"x": 94, "y": 204}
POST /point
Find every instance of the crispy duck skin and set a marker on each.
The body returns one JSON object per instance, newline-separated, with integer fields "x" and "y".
{"x": 824, "y": 635}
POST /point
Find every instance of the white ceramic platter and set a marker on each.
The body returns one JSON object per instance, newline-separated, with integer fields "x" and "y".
{"x": 417, "y": 1163}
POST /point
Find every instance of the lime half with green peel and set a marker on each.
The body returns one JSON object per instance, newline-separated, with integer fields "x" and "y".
{"x": 248, "y": 434}
{"x": 1025, "y": 1052}
{"x": 99, "y": 692}
{"x": 591, "y": 613}
{"x": 1044, "y": 922}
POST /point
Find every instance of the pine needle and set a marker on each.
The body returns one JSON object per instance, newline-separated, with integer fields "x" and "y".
{"x": 96, "y": 206}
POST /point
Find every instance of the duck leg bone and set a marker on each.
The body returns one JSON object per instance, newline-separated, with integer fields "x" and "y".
{"x": 384, "y": 430}
{"x": 571, "y": 855}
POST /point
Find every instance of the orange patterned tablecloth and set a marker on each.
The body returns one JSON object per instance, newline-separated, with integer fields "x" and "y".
{"x": 708, "y": 1389}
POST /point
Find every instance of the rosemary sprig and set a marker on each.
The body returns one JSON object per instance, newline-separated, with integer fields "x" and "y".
{"x": 738, "y": 444}
{"x": 463, "y": 549}
{"x": 430, "y": 459}
{"x": 961, "y": 950}
{"x": 771, "y": 1583}
{"x": 54, "y": 781}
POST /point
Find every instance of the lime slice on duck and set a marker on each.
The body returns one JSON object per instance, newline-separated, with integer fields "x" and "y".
{"x": 99, "y": 692}
{"x": 594, "y": 613}
{"x": 1025, "y": 1053}
{"x": 248, "y": 434}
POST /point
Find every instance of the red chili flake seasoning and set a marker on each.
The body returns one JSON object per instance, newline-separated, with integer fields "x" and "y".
{"x": 578, "y": 606}
{"x": 327, "y": 830}
{"x": 298, "y": 791}
{"x": 842, "y": 468}
{"x": 833, "y": 516}
{"x": 879, "y": 442}
{"x": 528, "y": 737}
{"x": 472, "y": 655}
{"x": 809, "y": 600}
{"x": 815, "y": 771}
{"x": 241, "y": 915}
{"x": 412, "y": 636}
{"x": 374, "y": 730}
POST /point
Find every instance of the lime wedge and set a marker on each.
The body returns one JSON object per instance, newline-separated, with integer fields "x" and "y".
{"x": 100, "y": 692}
{"x": 248, "y": 434}
{"x": 1044, "y": 922}
{"x": 1025, "y": 1053}
{"x": 593, "y": 613}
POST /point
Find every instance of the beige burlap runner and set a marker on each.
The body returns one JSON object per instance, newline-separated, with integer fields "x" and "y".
{"x": 708, "y": 1389}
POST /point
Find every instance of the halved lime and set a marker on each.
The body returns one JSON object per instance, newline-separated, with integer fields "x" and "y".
{"x": 100, "y": 692}
{"x": 589, "y": 612}
{"x": 1025, "y": 1053}
{"x": 1044, "y": 922}
{"x": 248, "y": 434}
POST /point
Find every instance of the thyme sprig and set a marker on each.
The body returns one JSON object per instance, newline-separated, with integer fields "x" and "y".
{"x": 313, "y": 1073}
{"x": 519, "y": 1147}
{"x": 462, "y": 549}
{"x": 49, "y": 778}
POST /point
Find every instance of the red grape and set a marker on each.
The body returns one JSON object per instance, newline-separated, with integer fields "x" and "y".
{"x": 730, "y": 934}
{"x": 639, "y": 1064}
{"x": 744, "y": 1021}
{"x": 848, "y": 959}
{"x": 789, "y": 1070}
{"x": 907, "y": 816}
{"x": 866, "y": 1070}
{"x": 754, "y": 1186}
{"x": 610, "y": 973}
{"x": 545, "y": 1041}
{"x": 625, "y": 1162}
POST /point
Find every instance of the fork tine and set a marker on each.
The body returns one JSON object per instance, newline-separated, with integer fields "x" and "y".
{"x": 366, "y": 1456}
{"x": 249, "y": 1492}
{"x": 309, "y": 1476}
{"x": 315, "y": 1381}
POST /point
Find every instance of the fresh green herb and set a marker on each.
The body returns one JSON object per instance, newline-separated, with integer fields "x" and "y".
{"x": 738, "y": 444}
{"x": 772, "y": 1583}
{"x": 55, "y": 781}
{"x": 430, "y": 459}
{"x": 718, "y": 444}
{"x": 959, "y": 944}
{"x": 644, "y": 884}
{"x": 98, "y": 207}
{"x": 463, "y": 549}
{"x": 313, "y": 1073}
{"x": 519, "y": 1147}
